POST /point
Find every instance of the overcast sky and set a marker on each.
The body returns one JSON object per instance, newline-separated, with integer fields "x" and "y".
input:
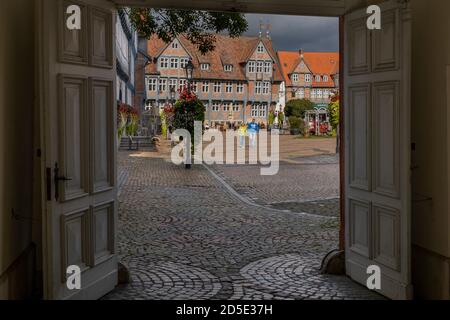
{"x": 291, "y": 33}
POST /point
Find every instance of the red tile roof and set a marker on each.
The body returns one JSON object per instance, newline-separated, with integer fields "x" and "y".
{"x": 320, "y": 63}
{"x": 234, "y": 51}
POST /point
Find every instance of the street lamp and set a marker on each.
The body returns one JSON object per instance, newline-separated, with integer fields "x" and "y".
{"x": 189, "y": 69}
{"x": 172, "y": 95}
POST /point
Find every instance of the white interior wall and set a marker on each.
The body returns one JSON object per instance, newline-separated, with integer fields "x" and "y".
{"x": 16, "y": 144}
{"x": 430, "y": 133}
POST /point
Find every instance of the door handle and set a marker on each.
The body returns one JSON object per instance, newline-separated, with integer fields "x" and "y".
{"x": 57, "y": 178}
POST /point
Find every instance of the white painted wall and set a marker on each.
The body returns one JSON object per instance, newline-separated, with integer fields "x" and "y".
{"x": 16, "y": 141}
{"x": 431, "y": 134}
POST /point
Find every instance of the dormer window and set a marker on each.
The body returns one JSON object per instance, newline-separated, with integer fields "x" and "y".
{"x": 228, "y": 67}
{"x": 295, "y": 77}
{"x": 325, "y": 78}
{"x": 307, "y": 77}
{"x": 204, "y": 66}
{"x": 318, "y": 78}
{"x": 260, "y": 48}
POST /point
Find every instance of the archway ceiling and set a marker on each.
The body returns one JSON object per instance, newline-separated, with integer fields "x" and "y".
{"x": 294, "y": 7}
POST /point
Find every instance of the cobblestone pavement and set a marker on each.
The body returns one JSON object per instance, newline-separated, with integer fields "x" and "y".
{"x": 183, "y": 235}
{"x": 307, "y": 181}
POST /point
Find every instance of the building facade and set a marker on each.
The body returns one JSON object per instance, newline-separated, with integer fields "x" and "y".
{"x": 310, "y": 75}
{"x": 126, "y": 55}
{"x": 238, "y": 81}
{"x": 142, "y": 60}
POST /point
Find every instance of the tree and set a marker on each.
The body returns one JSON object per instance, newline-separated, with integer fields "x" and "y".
{"x": 298, "y": 107}
{"x": 198, "y": 26}
{"x": 333, "y": 109}
{"x": 187, "y": 110}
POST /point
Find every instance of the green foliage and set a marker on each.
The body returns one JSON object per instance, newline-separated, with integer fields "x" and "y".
{"x": 198, "y": 26}
{"x": 333, "y": 110}
{"x": 187, "y": 110}
{"x": 296, "y": 123}
{"x": 271, "y": 119}
{"x": 281, "y": 117}
{"x": 298, "y": 107}
{"x": 164, "y": 126}
{"x": 132, "y": 127}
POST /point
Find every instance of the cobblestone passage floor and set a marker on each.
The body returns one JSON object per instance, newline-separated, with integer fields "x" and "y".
{"x": 183, "y": 235}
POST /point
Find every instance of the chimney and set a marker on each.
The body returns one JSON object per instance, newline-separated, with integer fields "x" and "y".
{"x": 301, "y": 53}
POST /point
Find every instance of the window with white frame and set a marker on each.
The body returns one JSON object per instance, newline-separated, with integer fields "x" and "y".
{"x": 204, "y": 66}
{"x": 152, "y": 84}
{"x": 235, "y": 107}
{"x": 182, "y": 83}
{"x": 173, "y": 84}
{"x": 326, "y": 94}
{"x": 295, "y": 77}
{"x": 229, "y": 87}
{"x": 205, "y": 86}
{"x": 307, "y": 77}
{"x": 262, "y": 110}
{"x": 260, "y": 48}
{"x": 183, "y": 62}
{"x": 259, "y": 67}
{"x": 318, "y": 78}
{"x": 240, "y": 88}
{"x": 319, "y": 93}
{"x": 254, "y": 111}
{"x": 313, "y": 93}
{"x": 175, "y": 45}
{"x": 228, "y": 67}
{"x": 217, "y": 87}
{"x": 266, "y": 87}
{"x": 174, "y": 63}
{"x": 251, "y": 66}
{"x": 164, "y": 63}
{"x": 300, "y": 93}
{"x": 325, "y": 78}
{"x": 258, "y": 87}
{"x": 215, "y": 107}
{"x": 162, "y": 85}
{"x": 194, "y": 86}
{"x": 226, "y": 107}
{"x": 268, "y": 67}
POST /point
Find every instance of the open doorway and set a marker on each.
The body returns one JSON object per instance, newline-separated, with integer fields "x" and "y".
{"x": 225, "y": 231}
{"x": 83, "y": 230}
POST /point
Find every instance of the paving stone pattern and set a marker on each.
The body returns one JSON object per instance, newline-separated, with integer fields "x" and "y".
{"x": 183, "y": 235}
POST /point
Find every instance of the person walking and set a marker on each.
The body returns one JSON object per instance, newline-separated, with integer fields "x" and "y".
{"x": 242, "y": 134}
{"x": 253, "y": 129}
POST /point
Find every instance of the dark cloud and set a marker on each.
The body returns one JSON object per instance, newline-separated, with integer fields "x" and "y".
{"x": 292, "y": 33}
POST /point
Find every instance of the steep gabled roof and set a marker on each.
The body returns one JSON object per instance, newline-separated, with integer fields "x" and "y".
{"x": 320, "y": 63}
{"x": 234, "y": 51}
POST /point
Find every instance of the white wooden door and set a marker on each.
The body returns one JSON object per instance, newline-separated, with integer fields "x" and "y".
{"x": 77, "y": 98}
{"x": 377, "y": 124}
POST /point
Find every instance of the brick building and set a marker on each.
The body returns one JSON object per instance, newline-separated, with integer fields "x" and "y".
{"x": 310, "y": 75}
{"x": 142, "y": 60}
{"x": 238, "y": 81}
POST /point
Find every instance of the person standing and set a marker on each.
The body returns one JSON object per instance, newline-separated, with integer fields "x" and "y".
{"x": 242, "y": 134}
{"x": 253, "y": 129}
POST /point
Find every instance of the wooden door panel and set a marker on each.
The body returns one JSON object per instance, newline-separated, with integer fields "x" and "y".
{"x": 72, "y": 138}
{"x": 79, "y": 92}
{"x": 73, "y": 44}
{"x": 386, "y": 138}
{"x": 378, "y": 190}
{"x": 359, "y": 127}
{"x": 102, "y": 134}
